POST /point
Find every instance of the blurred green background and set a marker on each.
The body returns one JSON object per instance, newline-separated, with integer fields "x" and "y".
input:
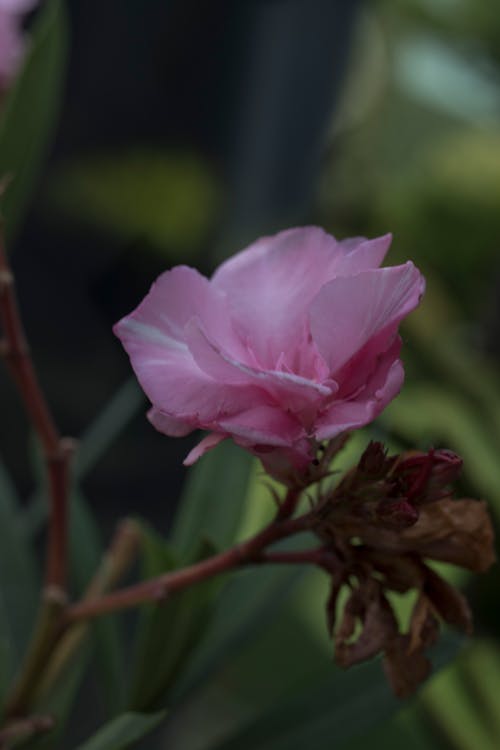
{"x": 183, "y": 130}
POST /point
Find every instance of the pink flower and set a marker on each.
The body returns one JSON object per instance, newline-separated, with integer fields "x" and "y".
{"x": 12, "y": 43}
{"x": 293, "y": 341}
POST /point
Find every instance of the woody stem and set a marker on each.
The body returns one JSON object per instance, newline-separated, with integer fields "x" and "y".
{"x": 159, "y": 588}
{"x": 56, "y": 450}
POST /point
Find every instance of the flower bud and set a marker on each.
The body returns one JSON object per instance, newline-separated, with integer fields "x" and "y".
{"x": 374, "y": 463}
{"x": 424, "y": 477}
{"x": 397, "y": 514}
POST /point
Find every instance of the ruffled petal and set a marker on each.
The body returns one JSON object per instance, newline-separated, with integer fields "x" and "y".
{"x": 263, "y": 425}
{"x": 293, "y": 392}
{"x": 205, "y": 445}
{"x": 176, "y": 297}
{"x": 380, "y": 390}
{"x": 169, "y": 425}
{"x": 271, "y": 284}
{"x": 349, "y": 311}
{"x": 177, "y": 387}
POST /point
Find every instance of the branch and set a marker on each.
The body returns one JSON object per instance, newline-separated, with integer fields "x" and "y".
{"x": 57, "y": 450}
{"x": 157, "y": 589}
{"x": 23, "y": 729}
{"x": 53, "y": 644}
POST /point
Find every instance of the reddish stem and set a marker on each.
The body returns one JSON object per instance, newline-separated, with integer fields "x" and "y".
{"x": 289, "y": 504}
{"x": 56, "y": 450}
{"x": 295, "y": 557}
{"x": 158, "y": 588}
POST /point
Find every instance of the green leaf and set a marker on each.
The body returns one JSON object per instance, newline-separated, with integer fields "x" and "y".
{"x": 19, "y": 579}
{"x": 122, "y": 731}
{"x": 212, "y": 503}
{"x": 86, "y": 553}
{"x": 449, "y": 697}
{"x": 60, "y": 697}
{"x": 107, "y": 426}
{"x": 405, "y": 729}
{"x": 95, "y": 441}
{"x": 333, "y": 711}
{"x": 251, "y": 598}
{"x": 31, "y": 110}
{"x": 169, "y": 631}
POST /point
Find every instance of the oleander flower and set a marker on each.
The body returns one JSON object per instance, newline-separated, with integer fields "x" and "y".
{"x": 12, "y": 41}
{"x": 293, "y": 341}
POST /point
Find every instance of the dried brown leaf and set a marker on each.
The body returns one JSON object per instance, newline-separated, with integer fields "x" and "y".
{"x": 424, "y": 627}
{"x": 379, "y": 627}
{"x": 447, "y": 601}
{"x": 404, "y": 669}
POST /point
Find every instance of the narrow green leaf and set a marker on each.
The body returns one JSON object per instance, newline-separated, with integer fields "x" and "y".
{"x": 449, "y": 697}
{"x": 169, "y": 631}
{"x": 250, "y": 598}
{"x": 212, "y": 503}
{"x": 341, "y": 707}
{"x": 123, "y": 731}
{"x": 19, "y": 578}
{"x": 59, "y": 700}
{"x": 107, "y": 426}
{"x": 30, "y": 114}
{"x": 86, "y": 552}
{"x": 92, "y": 445}
{"x": 405, "y": 729}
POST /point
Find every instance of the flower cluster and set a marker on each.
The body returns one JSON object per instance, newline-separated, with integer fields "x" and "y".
{"x": 293, "y": 341}
{"x": 291, "y": 345}
{"x": 379, "y": 526}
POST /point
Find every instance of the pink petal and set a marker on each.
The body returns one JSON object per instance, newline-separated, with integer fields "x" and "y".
{"x": 360, "y": 254}
{"x": 12, "y": 46}
{"x": 176, "y": 386}
{"x": 350, "y": 310}
{"x": 271, "y": 284}
{"x": 205, "y": 445}
{"x": 380, "y": 390}
{"x": 176, "y": 297}
{"x": 169, "y": 425}
{"x": 263, "y": 425}
{"x": 291, "y": 391}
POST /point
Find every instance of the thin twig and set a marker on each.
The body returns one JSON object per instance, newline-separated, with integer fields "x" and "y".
{"x": 116, "y": 563}
{"x": 56, "y": 450}
{"x": 157, "y": 589}
{"x": 54, "y": 644}
{"x": 23, "y": 729}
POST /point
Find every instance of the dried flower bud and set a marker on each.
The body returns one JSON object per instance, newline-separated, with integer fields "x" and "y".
{"x": 374, "y": 463}
{"x": 397, "y": 514}
{"x": 383, "y": 520}
{"x": 425, "y": 477}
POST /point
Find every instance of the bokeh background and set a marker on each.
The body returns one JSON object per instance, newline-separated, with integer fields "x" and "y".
{"x": 186, "y": 129}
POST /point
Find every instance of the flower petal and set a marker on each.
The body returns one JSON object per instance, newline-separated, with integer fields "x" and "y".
{"x": 271, "y": 284}
{"x": 205, "y": 445}
{"x": 177, "y": 387}
{"x": 350, "y": 310}
{"x": 176, "y": 297}
{"x": 344, "y": 415}
{"x": 263, "y": 425}
{"x": 169, "y": 425}
{"x": 291, "y": 391}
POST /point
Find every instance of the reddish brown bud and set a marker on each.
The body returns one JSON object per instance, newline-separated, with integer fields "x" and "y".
{"x": 424, "y": 477}
{"x": 374, "y": 463}
{"x": 397, "y": 514}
